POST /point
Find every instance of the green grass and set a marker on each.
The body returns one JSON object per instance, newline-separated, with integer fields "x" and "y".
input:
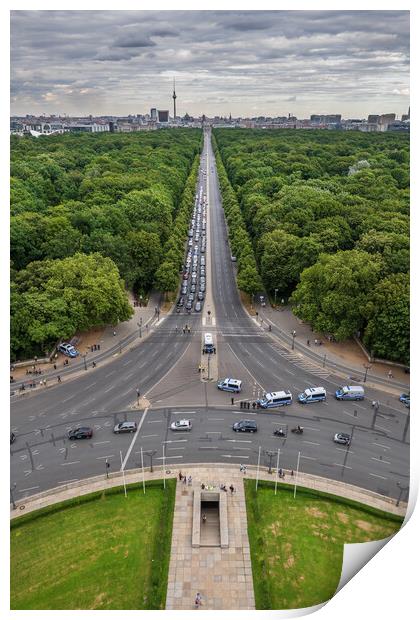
{"x": 297, "y": 544}
{"x": 101, "y": 551}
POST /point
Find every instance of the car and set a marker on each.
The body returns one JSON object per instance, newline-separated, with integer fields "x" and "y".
{"x": 190, "y": 242}
{"x": 342, "y": 438}
{"x": 200, "y": 296}
{"x": 202, "y": 287}
{"x": 191, "y": 297}
{"x": 184, "y": 289}
{"x": 198, "y": 306}
{"x": 245, "y": 426}
{"x": 81, "y": 432}
{"x": 68, "y": 349}
{"x": 186, "y": 275}
{"x": 188, "y": 305}
{"x": 233, "y": 259}
{"x": 191, "y": 233}
{"x": 193, "y": 288}
{"x": 181, "y": 425}
{"x": 125, "y": 427}
{"x": 180, "y": 301}
{"x": 405, "y": 398}
{"x": 12, "y": 438}
{"x": 202, "y": 271}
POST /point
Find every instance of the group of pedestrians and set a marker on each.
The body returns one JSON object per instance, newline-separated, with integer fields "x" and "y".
{"x": 184, "y": 479}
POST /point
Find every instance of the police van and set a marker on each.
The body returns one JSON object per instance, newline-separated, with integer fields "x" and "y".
{"x": 208, "y": 346}
{"x": 312, "y": 395}
{"x": 350, "y": 392}
{"x": 275, "y": 399}
{"x": 230, "y": 385}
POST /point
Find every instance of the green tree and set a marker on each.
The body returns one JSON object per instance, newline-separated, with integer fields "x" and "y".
{"x": 333, "y": 293}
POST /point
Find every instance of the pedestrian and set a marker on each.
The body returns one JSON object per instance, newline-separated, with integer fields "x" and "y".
{"x": 55, "y": 356}
{"x": 55, "y": 366}
{"x": 291, "y": 472}
{"x": 184, "y": 480}
{"x": 203, "y": 486}
{"x": 58, "y": 379}
{"x": 115, "y": 333}
{"x": 203, "y": 518}
{"x": 183, "y": 330}
{"x": 308, "y": 342}
{"x": 280, "y": 473}
{"x": 315, "y": 341}
{"x": 232, "y": 489}
{"x": 198, "y": 601}
{"x": 93, "y": 364}
{"x": 189, "y": 329}
{"x": 390, "y": 375}
{"x": 242, "y": 469}
{"x": 180, "y": 476}
{"x": 189, "y": 481}
{"x": 232, "y": 401}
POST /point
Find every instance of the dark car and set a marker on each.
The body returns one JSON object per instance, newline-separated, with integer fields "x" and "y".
{"x": 12, "y": 438}
{"x": 342, "y": 438}
{"x": 245, "y": 426}
{"x": 405, "y": 398}
{"x": 180, "y": 302}
{"x": 82, "y": 432}
{"x": 125, "y": 427}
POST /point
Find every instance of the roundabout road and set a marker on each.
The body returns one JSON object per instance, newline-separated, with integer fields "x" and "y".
{"x": 164, "y": 368}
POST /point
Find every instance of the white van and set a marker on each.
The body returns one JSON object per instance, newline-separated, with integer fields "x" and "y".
{"x": 208, "y": 346}
{"x": 230, "y": 385}
{"x": 312, "y": 395}
{"x": 350, "y": 392}
{"x": 275, "y": 399}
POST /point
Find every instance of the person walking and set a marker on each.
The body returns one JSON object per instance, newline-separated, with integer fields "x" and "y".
{"x": 58, "y": 379}
{"x": 180, "y": 476}
{"x": 184, "y": 480}
{"x": 189, "y": 481}
{"x": 232, "y": 489}
{"x": 198, "y": 601}
{"x": 390, "y": 375}
{"x": 203, "y": 517}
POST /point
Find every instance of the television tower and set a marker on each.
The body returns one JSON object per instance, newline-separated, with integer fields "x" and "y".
{"x": 174, "y": 98}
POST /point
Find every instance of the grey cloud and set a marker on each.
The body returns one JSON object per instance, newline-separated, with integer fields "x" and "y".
{"x": 222, "y": 60}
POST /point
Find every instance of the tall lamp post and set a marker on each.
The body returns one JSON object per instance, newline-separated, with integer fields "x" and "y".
{"x": 12, "y": 498}
{"x": 366, "y": 367}
{"x": 293, "y": 339}
{"x": 402, "y": 489}
{"x": 270, "y": 454}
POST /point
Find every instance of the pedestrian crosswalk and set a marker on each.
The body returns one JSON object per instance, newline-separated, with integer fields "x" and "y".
{"x": 300, "y": 361}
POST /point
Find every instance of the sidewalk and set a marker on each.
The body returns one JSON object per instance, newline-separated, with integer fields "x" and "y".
{"x": 347, "y": 354}
{"x": 104, "y": 337}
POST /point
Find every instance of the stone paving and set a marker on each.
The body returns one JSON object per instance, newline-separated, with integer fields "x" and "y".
{"x": 223, "y": 577}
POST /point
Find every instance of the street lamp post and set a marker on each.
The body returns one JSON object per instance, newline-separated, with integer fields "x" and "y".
{"x": 270, "y": 454}
{"x": 138, "y": 396}
{"x": 293, "y": 339}
{"x": 402, "y": 489}
{"x": 151, "y": 454}
{"x": 366, "y": 367}
{"x": 12, "y": 498}
{"x": 107, "y": 466}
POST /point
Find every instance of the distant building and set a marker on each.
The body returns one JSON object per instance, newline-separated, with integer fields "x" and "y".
{"x": 399, "y": 126}
{"x": 373, "y": 118}
{"x": 384, "y": 119}
{"x": 87, "y": 128}
{"x": 153, "y": 114}
{"x": 163, "y": 116}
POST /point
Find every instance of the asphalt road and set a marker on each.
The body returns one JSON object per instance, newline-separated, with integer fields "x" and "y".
{"x": 164, "y": 368}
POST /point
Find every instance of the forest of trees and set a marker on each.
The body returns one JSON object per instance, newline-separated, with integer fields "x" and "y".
{"x": 327, "y": 213}
{"x": 92, "y": 215}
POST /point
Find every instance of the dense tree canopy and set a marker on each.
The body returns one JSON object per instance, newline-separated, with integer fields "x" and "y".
{"x": 319, "y": 208}
{"x": 117, "y": 196}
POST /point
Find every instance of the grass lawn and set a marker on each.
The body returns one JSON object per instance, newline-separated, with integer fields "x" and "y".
{"x": 103, "y": 551}
{"x": 297, "y": 544}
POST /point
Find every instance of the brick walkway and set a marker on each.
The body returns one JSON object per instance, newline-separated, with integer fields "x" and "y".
{"x": 222, "y": 576}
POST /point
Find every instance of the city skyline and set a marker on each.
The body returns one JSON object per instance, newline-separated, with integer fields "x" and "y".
{"x": 247, "y": 63}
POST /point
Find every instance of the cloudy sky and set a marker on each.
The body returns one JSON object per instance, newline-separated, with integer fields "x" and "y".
{"x": 241, "y": 62}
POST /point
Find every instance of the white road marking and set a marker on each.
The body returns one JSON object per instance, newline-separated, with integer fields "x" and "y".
{"x": 373, "y": 458}
{"x": 28, "y": 489}
{"x": 184, "y": 412}
{"x": 381, "y": 445}
{"x": 154, "y": 421}
{"x": 110, "y": 374}
{"x": 209, "y": 448}
{"x": 127, "y": 362}
{"x": 89, "y": 386}
{"x": 178, "y": 448}
{"x": 68, "y": 398}
{"x": 145, "y": 436}
{"x": 67, "y": 481}
{"x": 111, "y": 387}
{"x": 240, "y": 440}
{"x": 98, "y": 443}
{"x": 107, "y": 456}
{"x": 341, "y": 465}
{"x": 313, "y": 443}
{"x": 344, "y": 450}
{"x": 378, "y": 476}
{"x": 174, "y": 456}
{"x": 70, "y": 463}
{"x": 175, "y": 440}
{"x": 311, "y": 428}
{"x": 311, "y": 458}
{"x": 216, "y": 419}
{"x": 382, "y": 428}
{"x": 133, "y": 440}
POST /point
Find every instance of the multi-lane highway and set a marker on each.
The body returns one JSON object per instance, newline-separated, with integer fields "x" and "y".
{"x": 164, "y": 367}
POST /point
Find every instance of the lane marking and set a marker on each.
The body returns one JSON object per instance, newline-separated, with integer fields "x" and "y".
{"x": 341, "y": 465}
{"x": 98, "y": 443}
{"x": 70, "y": 463}
{"x": 344, "y": 450}
{"x": 107, "y": 456}
{"x": 110, "y": 374}
{"x": 381, "y": 445}
{"x": 378, "y": 476}
{"x": 175, "y": 440}
{"x": 90, "y": 385}
{"x": 373, "y": 458}
{"x": 174, "y": 456}
{"x": 130, "y": 447}
{"x": 67, "y": 481}
{"x": 240, "y": 440}
{"x": 145, "y": 436}
{"x": 235, "y": 456}
{"x": 28, "y": 489}
{"x": 313, "y": 443}
{"x": 311, "y": 458}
